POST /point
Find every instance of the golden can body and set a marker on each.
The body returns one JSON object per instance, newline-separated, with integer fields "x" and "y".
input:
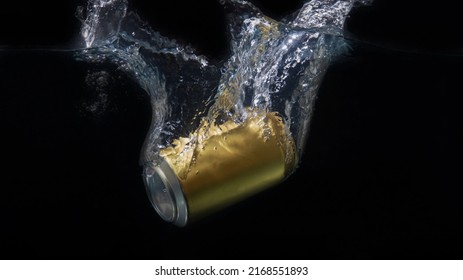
{"x": 226, "y": 164}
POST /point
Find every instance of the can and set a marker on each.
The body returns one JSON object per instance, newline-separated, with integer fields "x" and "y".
{"x": 226, "y": 164}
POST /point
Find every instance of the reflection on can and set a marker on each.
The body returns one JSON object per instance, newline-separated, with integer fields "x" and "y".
{"x": 226, "y": 164}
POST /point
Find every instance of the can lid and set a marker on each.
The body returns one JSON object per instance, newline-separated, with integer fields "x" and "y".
{"x": 165, "y": 193}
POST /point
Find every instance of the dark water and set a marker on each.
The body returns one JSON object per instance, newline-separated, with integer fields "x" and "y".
{"x": 380, "y": 177}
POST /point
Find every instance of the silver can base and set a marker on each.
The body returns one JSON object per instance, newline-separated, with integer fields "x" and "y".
{"x": 165, "y": 193}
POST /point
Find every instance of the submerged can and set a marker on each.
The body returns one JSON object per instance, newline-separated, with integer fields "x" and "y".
{"x": 228, "y": 164}
{"x": 252, "y": 135}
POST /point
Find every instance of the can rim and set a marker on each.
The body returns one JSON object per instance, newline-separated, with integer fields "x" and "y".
{"x": 167, "y": 177}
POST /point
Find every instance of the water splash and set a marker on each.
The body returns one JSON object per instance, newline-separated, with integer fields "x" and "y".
{"x": 165, "y": 70}
{"x": 274, "y": 66}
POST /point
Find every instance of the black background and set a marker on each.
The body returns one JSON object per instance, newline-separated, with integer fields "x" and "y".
{"x": 380, "y": 178}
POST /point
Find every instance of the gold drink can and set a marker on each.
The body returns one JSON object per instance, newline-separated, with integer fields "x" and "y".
{"x": 226, "y": 164}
